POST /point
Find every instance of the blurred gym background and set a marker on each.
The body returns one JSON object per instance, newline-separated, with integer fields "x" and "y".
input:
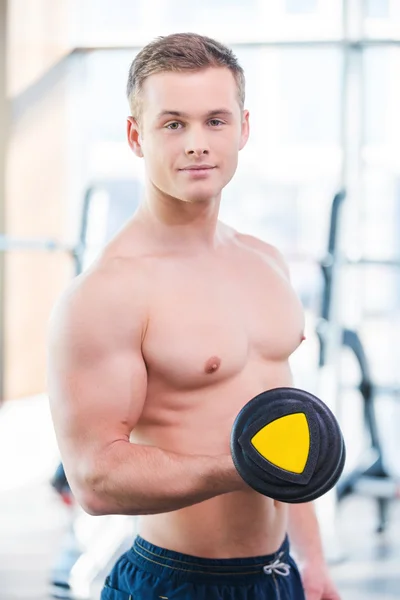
{"x": 320, "y": 178}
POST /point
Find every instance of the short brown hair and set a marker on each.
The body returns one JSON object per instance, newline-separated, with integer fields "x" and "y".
{"x": 176, "y": 53}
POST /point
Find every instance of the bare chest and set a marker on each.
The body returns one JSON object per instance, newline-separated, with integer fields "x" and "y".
{"x": 205, "y": 327}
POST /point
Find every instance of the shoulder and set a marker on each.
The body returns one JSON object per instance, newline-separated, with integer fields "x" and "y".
{"x": 108, "y": 297}
{"x": 107, "y": 280}
{"x": 268, "y": 251}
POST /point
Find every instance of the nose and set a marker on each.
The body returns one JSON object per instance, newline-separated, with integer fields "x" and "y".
{"x": 196, "y": 143}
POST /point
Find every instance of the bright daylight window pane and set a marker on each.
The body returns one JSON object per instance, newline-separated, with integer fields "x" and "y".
{"x": 291, "y": 165}
{"x": 382, "y": 19}
{"x": 380, "y": 218}
{"x": 301, "y": 6}
{"x": 381, "y": 152}
{"x": 127, "y": 23}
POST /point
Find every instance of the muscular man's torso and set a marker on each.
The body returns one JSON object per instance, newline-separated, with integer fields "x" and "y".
{"x": 220, "y": 328}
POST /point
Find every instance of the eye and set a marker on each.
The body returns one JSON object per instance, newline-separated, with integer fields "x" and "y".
{"x": 174, "y": 125}
{"x": 216, "y": 122}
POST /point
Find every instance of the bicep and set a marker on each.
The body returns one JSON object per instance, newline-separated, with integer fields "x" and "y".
{"x": 97, "y": 383}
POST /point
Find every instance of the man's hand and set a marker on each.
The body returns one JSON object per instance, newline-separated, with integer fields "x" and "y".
{"x": 317, "y": 582}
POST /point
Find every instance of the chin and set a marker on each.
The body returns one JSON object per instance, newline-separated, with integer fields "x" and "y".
{"x": 195, "y": 197}
{"x": 200, "y": 199}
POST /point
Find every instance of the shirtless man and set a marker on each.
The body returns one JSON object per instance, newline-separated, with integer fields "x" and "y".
{"x": 155, "y": 349}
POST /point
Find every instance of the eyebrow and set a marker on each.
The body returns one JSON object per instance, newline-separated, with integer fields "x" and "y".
{"x": 176, "y": 113}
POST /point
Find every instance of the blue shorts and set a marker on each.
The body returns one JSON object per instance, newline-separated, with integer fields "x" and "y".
{"x": 147, "y": 572}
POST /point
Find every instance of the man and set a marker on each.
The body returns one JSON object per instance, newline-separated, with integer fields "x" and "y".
{"x": 155, "y": 349}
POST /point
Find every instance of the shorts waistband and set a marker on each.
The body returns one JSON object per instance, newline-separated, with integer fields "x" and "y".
{"x": 183, "y": 567}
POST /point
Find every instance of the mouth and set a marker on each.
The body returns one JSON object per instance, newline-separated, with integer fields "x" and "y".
{"x": 198, "y": 169}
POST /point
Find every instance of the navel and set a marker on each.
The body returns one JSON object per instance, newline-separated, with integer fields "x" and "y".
{"x": 212, "y": 365}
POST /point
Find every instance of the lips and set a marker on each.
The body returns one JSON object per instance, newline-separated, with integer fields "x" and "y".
{"x": 198, "y": 168}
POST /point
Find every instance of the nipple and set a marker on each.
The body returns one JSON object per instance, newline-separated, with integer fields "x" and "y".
{"x": 212, "y": 364}
{"x": 303, "y": 337}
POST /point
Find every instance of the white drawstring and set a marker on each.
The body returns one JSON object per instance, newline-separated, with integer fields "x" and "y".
{"x": 277, "y": 567}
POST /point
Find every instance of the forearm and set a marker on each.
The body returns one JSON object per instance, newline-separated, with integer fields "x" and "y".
{"x": 304, "y": 532}
{"x": 134, "y": 480}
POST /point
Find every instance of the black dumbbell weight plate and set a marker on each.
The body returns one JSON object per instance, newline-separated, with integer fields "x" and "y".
{"x": 287, "y": 444}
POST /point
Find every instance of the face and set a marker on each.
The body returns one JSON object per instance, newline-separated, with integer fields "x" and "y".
{"x": 191, "y": 130}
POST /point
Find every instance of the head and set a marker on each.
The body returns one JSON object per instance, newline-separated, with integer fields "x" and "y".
{"x": 186, "y": 94}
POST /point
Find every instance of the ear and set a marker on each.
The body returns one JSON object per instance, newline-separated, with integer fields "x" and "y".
{"x": 134, "y": 138}
{"x": 244, "y": 135}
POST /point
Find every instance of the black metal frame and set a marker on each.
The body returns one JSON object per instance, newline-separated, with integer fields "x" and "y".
{"x": 368, "y": 476}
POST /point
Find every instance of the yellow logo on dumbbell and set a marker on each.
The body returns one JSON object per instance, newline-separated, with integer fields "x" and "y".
{"x": 285, "y": 442}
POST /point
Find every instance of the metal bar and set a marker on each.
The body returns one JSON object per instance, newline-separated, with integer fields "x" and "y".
{"x": 373, "y": 262}
{"x": 8, "y": 243}
{"x": 327, "y": 260}
{"x": 381, "y": 314}
{"x": 377, "y": 487}
{"x": 389, "y": 390}
{"x": 378, "y": 390}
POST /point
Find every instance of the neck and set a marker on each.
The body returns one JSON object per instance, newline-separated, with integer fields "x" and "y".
{"x": 176, "y": 223}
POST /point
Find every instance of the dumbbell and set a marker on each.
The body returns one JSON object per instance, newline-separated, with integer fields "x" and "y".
{"x": 287, "y": 444}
